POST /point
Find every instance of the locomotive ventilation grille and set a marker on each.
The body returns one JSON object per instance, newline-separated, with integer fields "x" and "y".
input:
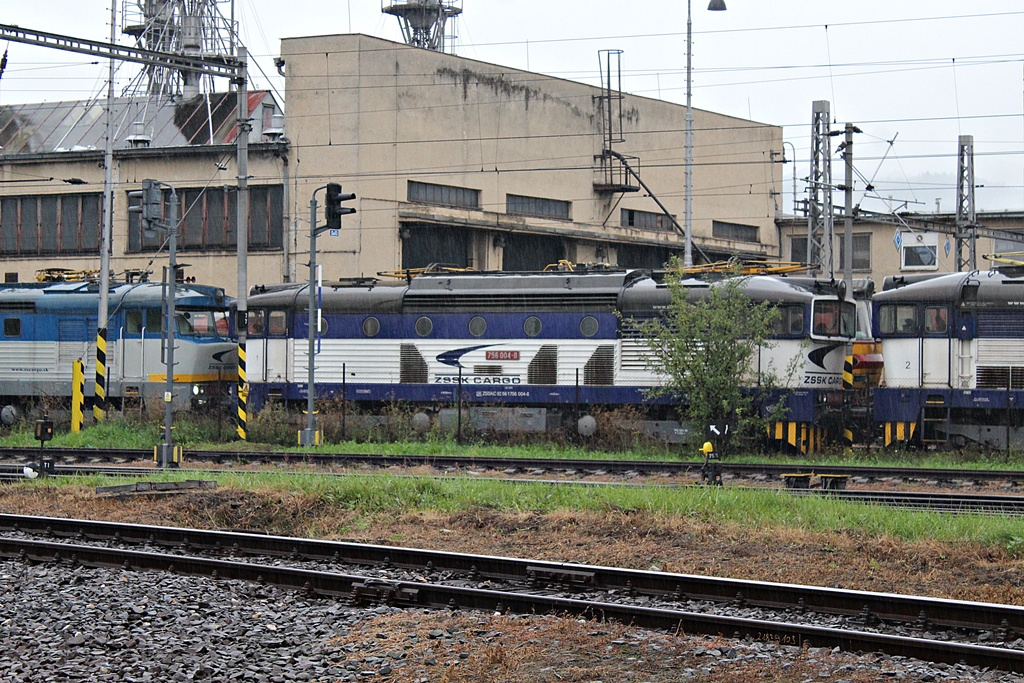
{"x": 413, "y": 369}
{"x": 543, "y": 368}
{"x": 600, "y": 368}
{"x": 1000, "y": 378}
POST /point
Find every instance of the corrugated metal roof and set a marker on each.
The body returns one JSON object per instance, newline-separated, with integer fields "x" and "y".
{"x": 79, "y": 125}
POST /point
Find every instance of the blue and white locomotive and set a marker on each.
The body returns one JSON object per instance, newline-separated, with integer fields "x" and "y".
{"x": 547, "y": 346}
{"x": 954, "y": 359}
{"x": 46, "y": 326}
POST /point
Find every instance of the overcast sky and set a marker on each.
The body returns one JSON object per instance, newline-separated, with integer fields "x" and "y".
{"x": 913, "y": 75}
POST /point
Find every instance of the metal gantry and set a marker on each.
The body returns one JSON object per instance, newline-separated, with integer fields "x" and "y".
{"x": 186, "y": 27}
{"x": 820, "y": 219}
{"x": 966, "y": 220}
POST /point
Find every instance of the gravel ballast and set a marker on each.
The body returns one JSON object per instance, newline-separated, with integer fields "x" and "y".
{"x": 60, "y": 623}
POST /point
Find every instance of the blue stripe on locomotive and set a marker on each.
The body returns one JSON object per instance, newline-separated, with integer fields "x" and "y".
{"x": 504, "y": 326}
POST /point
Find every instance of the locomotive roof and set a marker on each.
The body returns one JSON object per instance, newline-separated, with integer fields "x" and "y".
{"x": 991, "y": 287}
{"x": 554, "y": 290}
{"x": 71, "y": 296}
{"x": 349, "y": 297}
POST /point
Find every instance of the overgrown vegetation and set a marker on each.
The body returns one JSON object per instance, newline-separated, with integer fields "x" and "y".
{"x": 764, "y": 509}
{"x": 703, "y": 344}
{"x": 276, "y": 429}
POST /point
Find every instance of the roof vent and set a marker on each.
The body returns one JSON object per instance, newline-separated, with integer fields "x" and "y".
{"x": 139, "y": 138}
{"x": 276, "y": 130}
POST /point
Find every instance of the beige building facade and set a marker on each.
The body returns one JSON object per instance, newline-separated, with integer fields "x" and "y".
{"x": 453, "y": 161}
{"x": 477, "y": 165}
{"x": 910, "y": 244}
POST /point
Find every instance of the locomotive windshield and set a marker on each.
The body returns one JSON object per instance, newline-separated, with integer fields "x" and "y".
{"x": 210, "y": 324}
{"x": 833, "y": 318}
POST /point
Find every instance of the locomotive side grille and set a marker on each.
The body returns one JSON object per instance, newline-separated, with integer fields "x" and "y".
{"x": 600, "y": 368}
{"x": 487, "y": 370}
{"x": 635, "y": 354}
{"x": 413, "y": 369}
{"x": 1001, "y": 378}
{"x": 1005, "y": 324}
{"x": 543, "y": 368}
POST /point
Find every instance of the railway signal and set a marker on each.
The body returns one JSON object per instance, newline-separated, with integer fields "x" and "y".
{"x": 148, "y": 203}
{"x": 334, "y": 209}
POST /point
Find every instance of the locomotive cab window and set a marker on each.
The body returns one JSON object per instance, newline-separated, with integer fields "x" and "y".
{"x": 257, "y": 323}
{"x": 790, "y": 322}
{"x": 277, "y": 323}
{"x": 834, "y": 318}
{"x": 143, "y": 320}
{"x": 897, "y": 319}
{"x": 12, "y": 327}
{"x": 203, "y": 323}
{"x": 936, "y": 320}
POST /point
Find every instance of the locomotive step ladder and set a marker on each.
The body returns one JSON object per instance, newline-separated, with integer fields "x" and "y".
{"x": 934, "y": 423}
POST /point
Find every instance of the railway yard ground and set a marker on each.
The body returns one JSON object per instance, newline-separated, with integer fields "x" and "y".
{"x": 466, "y": 646}
{"x": 407, "y": 646}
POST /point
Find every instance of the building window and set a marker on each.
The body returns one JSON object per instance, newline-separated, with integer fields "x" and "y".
{"x": 645, "y": 220}
{"x": 1001, "y": 246}
{"x": 444, "y": 195}
{"x": 919, "y": 251}
{"x": 539, "y": 207}
{"x": 50, "y": 224}
{"x": 210, "y": 218}
{"x": 798, "y": 249}
{"x": 734, "y": 231}
{"x": 861, "y": 251}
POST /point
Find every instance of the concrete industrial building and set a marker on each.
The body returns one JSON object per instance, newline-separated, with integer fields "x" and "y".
{"x": 454, "y": 161}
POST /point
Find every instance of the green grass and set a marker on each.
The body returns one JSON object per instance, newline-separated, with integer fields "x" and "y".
{"x": 218, "y": 434}
{"x": 755, "y": 508}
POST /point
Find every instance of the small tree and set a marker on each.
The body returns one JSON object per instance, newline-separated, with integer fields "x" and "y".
{"x": 705, "y": 345}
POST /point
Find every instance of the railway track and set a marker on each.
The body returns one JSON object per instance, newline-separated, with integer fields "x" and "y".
{"x": 771, "y": 471}
{"x": 937, "y": 630}
{"x": 956, "y": 502}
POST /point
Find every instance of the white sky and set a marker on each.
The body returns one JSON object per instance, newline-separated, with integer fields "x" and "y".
{"x": 916, "y": 72}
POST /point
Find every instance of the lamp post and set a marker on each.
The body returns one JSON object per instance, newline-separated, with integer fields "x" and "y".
{"x": 715, "y": 6}
{"x": 792, "y": 161}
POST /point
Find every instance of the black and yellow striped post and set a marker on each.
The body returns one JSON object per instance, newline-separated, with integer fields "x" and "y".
{"x": 848, "y": 386}
{"x": 77, "y": 395}
{"x": 99, "y": 406}
{"x": 242, "y": 395}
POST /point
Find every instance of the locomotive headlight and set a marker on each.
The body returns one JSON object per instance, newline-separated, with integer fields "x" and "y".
{"x": 196, "y": 390}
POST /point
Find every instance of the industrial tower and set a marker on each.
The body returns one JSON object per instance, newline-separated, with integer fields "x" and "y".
{"x": 423, "y": 21}
{"x": 183, "y": 27}
{"x": 820, "y": 220}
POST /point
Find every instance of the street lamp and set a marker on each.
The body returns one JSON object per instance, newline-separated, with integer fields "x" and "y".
{"x": 715, "y": 6}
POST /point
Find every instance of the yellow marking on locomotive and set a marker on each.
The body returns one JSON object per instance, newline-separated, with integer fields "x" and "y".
{"x": 196, "y": 378}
